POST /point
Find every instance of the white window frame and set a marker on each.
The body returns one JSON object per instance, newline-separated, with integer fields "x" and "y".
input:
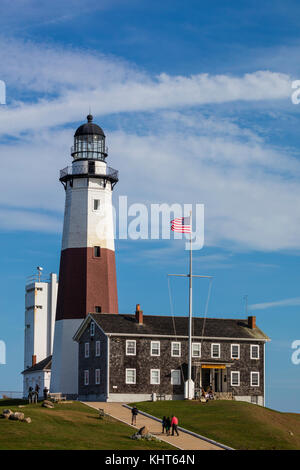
{"x": 251, "y": 380}
{"x": 92, "y": 328}
{"x": 178, "y": 372}
{"x": 252, "y": 346}
{"x": 212, "y": 349}
{"x": 86, "y": 377}
{"x": 239, "y": 378}
{"x": 126, "y": 378}
{"x": 98, "y": 349}
{"x": 127, "y": 343}
{"x": 86, "y": 350}
{"x": 151, "y": 349}
{"x": 172, "y": 349}
{"x": 196, "y": 344}
{"x": 231, "y": 354}
{"x": 151, "y": 378}
{"x": 97, "y": 377}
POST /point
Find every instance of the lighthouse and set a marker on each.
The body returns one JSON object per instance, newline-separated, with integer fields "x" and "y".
{"x": 87, "y": 274}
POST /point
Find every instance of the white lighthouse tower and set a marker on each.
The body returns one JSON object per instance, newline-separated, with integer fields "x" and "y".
{"x": 87, "y": 276}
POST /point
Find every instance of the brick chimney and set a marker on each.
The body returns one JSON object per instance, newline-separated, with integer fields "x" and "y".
{"x": 252, "y": 322}
{"x": 33, "y": 360}
{"x": 139, "y": 315}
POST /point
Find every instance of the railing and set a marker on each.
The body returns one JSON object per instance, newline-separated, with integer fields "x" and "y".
{"x": 37, "y": 278}
{"x": 8, "y": 394}
{"x": 90, "y": 170}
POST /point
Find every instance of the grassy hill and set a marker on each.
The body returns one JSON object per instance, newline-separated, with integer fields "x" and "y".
{"x": 67, "y": 426}
{"x": 237, "y": 424}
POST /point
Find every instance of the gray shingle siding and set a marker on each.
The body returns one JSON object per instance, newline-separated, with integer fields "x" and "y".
{"x": 143, "y": 362}
{"x": 92, "y": 363}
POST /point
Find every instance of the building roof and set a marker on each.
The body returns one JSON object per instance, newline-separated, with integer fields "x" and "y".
{"x": 43, "y": 365}
{"x": 156, "y": 325}
{"x": 89, "y": 128}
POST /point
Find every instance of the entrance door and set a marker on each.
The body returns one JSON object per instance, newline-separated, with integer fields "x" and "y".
{"x": 206, "y": 382}
{"x": 218, "y": 378}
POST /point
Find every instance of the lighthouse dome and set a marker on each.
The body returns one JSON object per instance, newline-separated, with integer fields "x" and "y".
{"x": 89, "y": 142}
{"x": 89, "y": 128}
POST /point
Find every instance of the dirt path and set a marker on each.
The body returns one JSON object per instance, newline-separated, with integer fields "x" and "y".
{"x": 184, "y": 441}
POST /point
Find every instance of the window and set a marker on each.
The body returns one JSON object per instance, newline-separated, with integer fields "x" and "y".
{"x": 235, "y": 379}
{"x": 254, "y": 351}
{"x": 96, "y": 204}
{"x": 98, "y": 309}
{"x": 130, "y": 376}
{"x": 97, "y": 376}
{"x": 98, "y": 348}
{"x": 86, "y": 377}
{"x": 97, "y": 252}
{"x": 155, "y": 377}
{"x": 254, "y": 379}
{"x": 196, "y": 349}
{"x": 176, "y": 349}
{"x": 130, "y": 348}
{"x": 155, "y": 348}
{"x": 235, "y": 351}
{"x": 175, "y": 377}
{"x": 92, "y": 328}
{"x": 215, "y": 350}
{"x": 254, "y": 399}
{"x": 87, "y": 350}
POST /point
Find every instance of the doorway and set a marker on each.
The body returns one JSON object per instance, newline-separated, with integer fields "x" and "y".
{"x": 206, "y": 378}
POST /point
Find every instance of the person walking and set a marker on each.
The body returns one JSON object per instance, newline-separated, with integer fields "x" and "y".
{"x": 45, "y": 392}
{"x": 174, "y": 425}
{"x": 37, "y": 389}
{"x": 30, "y": 393}
{"x": 134, "y": 413}
{"x": 163, "y": 423}
{"x": 168, "y": 425}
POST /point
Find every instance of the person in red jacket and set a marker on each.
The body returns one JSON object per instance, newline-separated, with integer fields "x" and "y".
{"x": 174, "y": 425}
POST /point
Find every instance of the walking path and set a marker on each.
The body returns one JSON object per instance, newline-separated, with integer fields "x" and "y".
{"x": 184, "y": 441}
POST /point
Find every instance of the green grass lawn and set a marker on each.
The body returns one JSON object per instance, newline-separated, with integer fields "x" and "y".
{"x": 237, "y": 424}
{"x": 67, "y": 426}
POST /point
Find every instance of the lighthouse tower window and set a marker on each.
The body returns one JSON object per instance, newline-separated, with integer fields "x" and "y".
{"x": 97, "y": 252}
{"x": 96, "y": 204}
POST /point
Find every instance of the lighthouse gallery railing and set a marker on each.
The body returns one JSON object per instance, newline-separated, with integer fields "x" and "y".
{"x": 89, "y": 170}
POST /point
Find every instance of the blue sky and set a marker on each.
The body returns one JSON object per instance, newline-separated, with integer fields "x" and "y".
{"x": 197, "y": 93}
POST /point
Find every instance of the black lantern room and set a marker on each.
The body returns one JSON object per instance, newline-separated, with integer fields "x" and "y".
{"x": 89, "y": 142}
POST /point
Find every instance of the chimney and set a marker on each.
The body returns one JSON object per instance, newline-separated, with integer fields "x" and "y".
{"x": 139, "y": 315}
{"x": 252, "y": 322}
{"x": 34, "y": 360}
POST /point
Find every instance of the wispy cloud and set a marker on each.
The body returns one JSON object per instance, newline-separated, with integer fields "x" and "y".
{"x": 112, "y": 86}
{"x": 29, "y": 220}
{"x": 278, "y": 303}
{"x": 251, "y": 190}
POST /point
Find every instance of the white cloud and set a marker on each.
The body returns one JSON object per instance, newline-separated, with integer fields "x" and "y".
{"x": 278, "y": 303}
{"x": 112, "y": 86}
{"x": 251, "y": 191}
{"x": 29, "y": 220}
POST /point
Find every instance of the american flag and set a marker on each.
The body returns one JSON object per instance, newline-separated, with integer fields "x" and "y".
{"x": 181, "y": 224}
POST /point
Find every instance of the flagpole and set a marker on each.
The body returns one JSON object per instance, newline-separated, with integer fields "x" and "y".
{"x": 190, "y": 312}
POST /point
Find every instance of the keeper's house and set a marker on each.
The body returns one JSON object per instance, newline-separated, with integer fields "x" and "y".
{"x": 135, "y": 357}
